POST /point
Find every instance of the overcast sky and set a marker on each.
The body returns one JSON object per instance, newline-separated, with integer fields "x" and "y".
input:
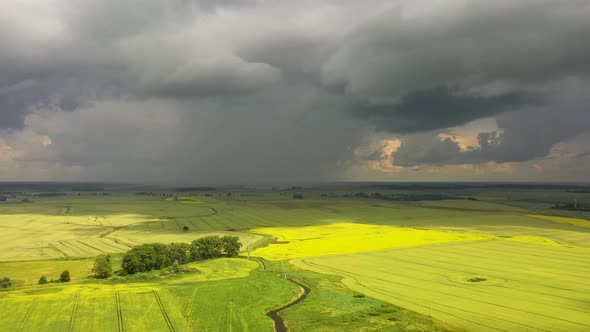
{"x": 246, "y": 92}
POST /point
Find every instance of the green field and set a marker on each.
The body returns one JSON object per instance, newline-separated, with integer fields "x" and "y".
{"x": 527, "y": 286}
{"x": 371, "y": 264}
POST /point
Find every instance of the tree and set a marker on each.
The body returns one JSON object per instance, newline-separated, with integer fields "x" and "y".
{"x": 139, "y": 259}
{"x": 42, "y": 280}
{"x": 5, "y": 282}
{"x": 65, "y": 276}
{"x": 185, "y": 228}
{"x": 206, "y": 247}
{"x": 147, "y": 257}
{"x": 231, "y": 245}
{"x": 102, "y": 267}
{"x": 180, "y": 252}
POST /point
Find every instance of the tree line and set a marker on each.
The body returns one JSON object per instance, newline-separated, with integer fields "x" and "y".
{"x": 154, "y": 256}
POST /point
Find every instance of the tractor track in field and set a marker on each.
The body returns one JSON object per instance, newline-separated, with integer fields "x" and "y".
{"x": 164, "y": 313}
{"x": 74, "y": 311}
{"x": 119, "y": 313}
{"x": 27, "y": 314}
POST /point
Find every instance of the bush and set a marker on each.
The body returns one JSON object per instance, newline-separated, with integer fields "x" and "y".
{"x": 42, "y": 280}
{"x": 102, "y": 267}
{"x": 65, "y": 276}
{"x": 5, "y": 282}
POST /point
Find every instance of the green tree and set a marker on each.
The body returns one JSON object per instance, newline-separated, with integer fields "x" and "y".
{"x": 102, "y": 267}
{"x": 206, "y": 247}
{"x": 162, "y": 256}
{"x": 180, "y": 252}
{"x": 65, "y": 276}
{"x": 5, "y": 282}
{"x": 42, "y": 280}
{"x": 231, "y": 245}
{"x": 146, "y": 257}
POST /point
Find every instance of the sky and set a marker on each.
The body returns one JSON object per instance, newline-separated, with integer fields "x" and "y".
{"x": 283, "y": 91}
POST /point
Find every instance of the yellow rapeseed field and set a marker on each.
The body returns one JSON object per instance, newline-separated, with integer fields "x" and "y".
{"x": 564, "y": 220}
{"x": 348, "y": 237}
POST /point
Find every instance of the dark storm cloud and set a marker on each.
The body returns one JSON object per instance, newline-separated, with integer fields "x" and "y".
{"x": 470, "y": 44}
{"x": 437, "y": 108}
{"x": 257, "y": 68}
{"x": 524, "y": 135}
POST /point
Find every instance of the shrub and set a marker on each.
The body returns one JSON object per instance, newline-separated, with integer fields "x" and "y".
{"x": 5, "y": 282}
{"x": 102, "y": 267}
{"x": 65, "y": 276}
{"x": 42, "y": 280}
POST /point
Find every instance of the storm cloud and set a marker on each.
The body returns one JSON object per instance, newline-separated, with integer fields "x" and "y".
{"x": 247, "y": 91}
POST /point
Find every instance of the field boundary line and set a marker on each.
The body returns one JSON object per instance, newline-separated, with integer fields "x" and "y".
{"x": 120, "y": 242}
{"x": 119, "y": 312}
{"x": 74, "y": 311}
{"x": 207, "y": 223}
{"x": 63, "y": 253}
{"x": 27, "y": 314}
{"x": 164, "y": 313}
{"x": 89, "y": 246}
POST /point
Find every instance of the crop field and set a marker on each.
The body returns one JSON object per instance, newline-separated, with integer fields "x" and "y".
{"x": 349, "y": 238}
{"x": 495, "y": 261}
{"x": 99, "y": 310}
{"x": 28, "y": 272}
{"x": 479, "y": 285}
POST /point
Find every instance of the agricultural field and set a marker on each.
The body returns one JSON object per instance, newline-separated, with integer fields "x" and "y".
{"x": 475, "y": 260}
{"x": 477, "y": 285}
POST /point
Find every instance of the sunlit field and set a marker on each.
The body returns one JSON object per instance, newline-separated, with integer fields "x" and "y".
{"x": 338, "y": 238}
{"x": 481, "y": 286}
{"x": 370, "y": 264}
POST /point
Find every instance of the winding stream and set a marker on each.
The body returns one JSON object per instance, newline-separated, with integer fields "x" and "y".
{"x": 274, "y": 314}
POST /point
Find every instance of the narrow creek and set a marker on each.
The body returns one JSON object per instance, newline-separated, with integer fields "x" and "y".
{"x": 274, "y": 314}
